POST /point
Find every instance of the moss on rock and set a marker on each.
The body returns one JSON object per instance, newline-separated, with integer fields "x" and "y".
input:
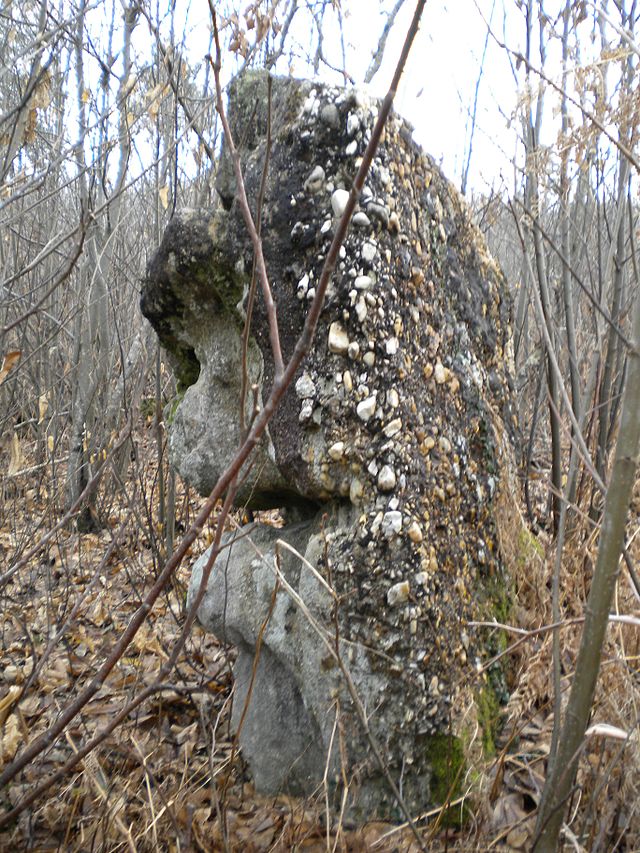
{"x": 446, "y": 756}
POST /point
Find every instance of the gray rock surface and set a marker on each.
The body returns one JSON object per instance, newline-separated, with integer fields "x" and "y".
{"x": 288, "y": 731}
{"x": 398, "y": 428}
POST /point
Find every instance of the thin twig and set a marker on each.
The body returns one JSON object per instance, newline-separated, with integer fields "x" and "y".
{"x": 376, "y": 59}
{"x": 246, "y": 332}
{"x": 272, "y": 316}
{"x": 73, "y": 510}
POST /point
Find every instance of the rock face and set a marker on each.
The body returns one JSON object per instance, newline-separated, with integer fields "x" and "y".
{"x": 389, "y": 449}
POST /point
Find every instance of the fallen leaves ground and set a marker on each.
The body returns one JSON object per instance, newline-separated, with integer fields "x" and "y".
{"x": 169, "y": 778}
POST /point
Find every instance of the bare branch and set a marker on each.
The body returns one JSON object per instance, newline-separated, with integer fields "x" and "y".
{"x": 378, "y": 56}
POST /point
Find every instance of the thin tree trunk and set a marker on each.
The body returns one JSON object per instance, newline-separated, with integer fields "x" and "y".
{"x": 559, "y": 784}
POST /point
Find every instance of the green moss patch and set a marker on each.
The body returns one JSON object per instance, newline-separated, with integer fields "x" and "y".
{"x": 445, "y": 755}
{"x": 489, "y": 717}
{"x": 528, "y": 546}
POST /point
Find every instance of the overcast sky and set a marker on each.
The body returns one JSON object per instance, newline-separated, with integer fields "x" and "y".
{"x": 453, "y": 56}
{"x": 437, "y": 91}
{"x": 439, "y": 85}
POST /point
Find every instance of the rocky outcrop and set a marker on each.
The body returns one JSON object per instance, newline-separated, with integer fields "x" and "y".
{"x": 388, "y": 451}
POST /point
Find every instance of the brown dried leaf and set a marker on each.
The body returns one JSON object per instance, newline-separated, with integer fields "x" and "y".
{"x": 43, "y": 405}
{"x": 16, "y": 461}
{"x": 9, "y": 361}
{"x": 30, "y": 705}
{"x": 8, "y": 701}
{"x": 11, "y": 740}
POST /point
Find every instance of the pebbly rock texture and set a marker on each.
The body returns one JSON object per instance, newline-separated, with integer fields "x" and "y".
{"x": 391, "y": 449}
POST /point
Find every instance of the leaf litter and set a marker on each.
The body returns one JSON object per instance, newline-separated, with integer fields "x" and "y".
{"x": 170, "y": 777}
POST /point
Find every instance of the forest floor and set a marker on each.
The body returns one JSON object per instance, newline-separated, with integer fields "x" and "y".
{"x": 170, "y": 777}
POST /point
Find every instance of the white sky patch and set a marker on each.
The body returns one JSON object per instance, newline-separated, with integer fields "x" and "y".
{"x": 438, "y": 88}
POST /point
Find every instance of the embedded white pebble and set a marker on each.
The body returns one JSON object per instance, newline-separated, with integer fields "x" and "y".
{"x": 369, "y": 358}
{"x": 303, "y": 286}
{"x": 387, "y": 479}
{"x": 326, "y": 226}
{"x": 355, "y": 490}
{"x": 306, "y": 411}
{"x": 353, "y": 350}
{"x": 336, "y": 451}
{"x": 385, "y": 176}
{"x": 338, "y": 339}
{"x": 371, "y": 300}
{"x": 444, "y": 444}
{"x": 353, "y": 124}
{"x": 439, "y": 374}
{"x": 363, "y": 282}
{"x": 305, "y": 387}
{"x": 351, "y": 148}
{"x": 398, "y": 593}
{"x": 311, "y": 293}
{"x": 361, "y": 220}
{"x": 375, "y": 524}
{"x": 392, "y": 398}
{"x": 393, "y": 428}
{"x": 347, "y": 381}
{"x": 366, "y": 408}
{"x": 311, "y": 105}
{"x": 361, "y": 310}
{"x": 314, "y": 182}
{"x": 415, "y": 314}
{"x": 368, "y": 252}
{"x": 339, "y": 201}
{"x": 391, "y": 346}
{"x": 391, "y": 523}
{"x": 394, "y": 503}
{"x": 373, "y": 468}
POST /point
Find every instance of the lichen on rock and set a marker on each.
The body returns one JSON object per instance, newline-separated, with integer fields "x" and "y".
{"x": 391, "y": 444}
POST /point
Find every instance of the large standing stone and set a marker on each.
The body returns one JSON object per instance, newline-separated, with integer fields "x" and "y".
{"x": 391, "y": 446}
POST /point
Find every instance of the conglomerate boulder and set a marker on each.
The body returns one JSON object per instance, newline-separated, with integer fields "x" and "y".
{"x": 390, "y": 454}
